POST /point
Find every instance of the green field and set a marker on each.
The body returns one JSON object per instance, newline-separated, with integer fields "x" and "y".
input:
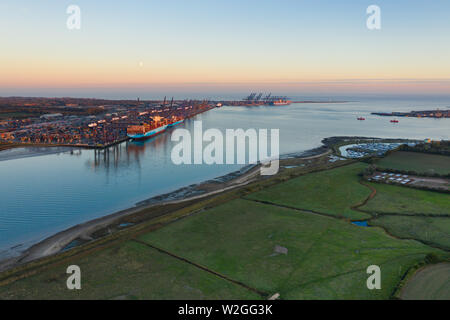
{"x": 127, "y": 271}
{"x": 429, "y": 283}
{"x": 431, "y": 230}
{"x": 229, "y": 251}
{"x": 397, "y": 199}
{"x": 417, "y": 162}
{"x": 327, "y": 258}
{"x": 333, "y": 192}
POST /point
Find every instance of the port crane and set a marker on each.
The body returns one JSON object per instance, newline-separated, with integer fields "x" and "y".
{"x": 267, "y": 98}
{"x": 251, "y": 97}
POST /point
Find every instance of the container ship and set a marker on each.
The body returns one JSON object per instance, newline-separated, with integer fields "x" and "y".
{"x": 148, "y": 130}
{"x": 281, "y": 102}
{"x": 176, "y": 121}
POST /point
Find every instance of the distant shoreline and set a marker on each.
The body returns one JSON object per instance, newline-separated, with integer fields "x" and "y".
{"x": 241, "y": 103}
{"x": 29, "y": 151}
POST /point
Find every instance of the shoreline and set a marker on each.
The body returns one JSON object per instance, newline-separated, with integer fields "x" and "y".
{"x": 22, "y": 152}
{"x": 11, "y": 147}
{"x": 84, "y": 231}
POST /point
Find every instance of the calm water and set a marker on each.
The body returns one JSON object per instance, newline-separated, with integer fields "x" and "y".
{"x": 45, "y": 194}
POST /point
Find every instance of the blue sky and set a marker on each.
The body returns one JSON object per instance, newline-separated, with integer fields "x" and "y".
{"x": 134, "y": 44}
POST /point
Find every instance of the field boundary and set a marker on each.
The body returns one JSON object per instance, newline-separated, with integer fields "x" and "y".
{"x": 396, "y": 294}
{"x": 259, "y": 292}
{"x": 297, "y": 209}
{"x": 370, "y": 197}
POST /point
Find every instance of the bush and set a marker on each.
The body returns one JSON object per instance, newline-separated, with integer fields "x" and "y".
{"x": 368, "y": 171}
{"x": 431, "y": 258}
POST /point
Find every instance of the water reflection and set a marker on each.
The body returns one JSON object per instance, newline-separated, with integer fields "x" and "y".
{"x": 41, "y": 195}
{"x": 128, "y": 153}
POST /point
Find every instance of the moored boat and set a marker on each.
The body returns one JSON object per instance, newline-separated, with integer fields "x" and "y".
{"x": 147, "y": 130}
{"x": 176, "y": 121}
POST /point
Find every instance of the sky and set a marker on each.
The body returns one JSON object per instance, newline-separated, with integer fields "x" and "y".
{"x": 137, "y": 46}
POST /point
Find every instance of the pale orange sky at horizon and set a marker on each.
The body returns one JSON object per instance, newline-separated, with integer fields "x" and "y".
{"x": 318, "y": 46}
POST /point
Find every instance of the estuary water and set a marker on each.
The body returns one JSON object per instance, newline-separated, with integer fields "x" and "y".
{"x": 41, "y": 195}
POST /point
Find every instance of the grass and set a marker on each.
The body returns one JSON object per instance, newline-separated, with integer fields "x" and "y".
{"x": 327, "y": 258}
{"x": 429, "y": 283}
{"x": 416, "y": 161}
{"x": 396, "y": 199}
{"x": 127, "y": 271}
{"x": 333, "y": 192}
{"x": 435, "y": 231}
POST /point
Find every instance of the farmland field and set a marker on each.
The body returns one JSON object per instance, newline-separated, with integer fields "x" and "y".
{"x": 327, "y": 258}
{"x": 127, "y": 271}
{"x": 429, "y": 283}
{"x": 397, "y": 199}
{"x": 416, "y": 161}
{"x": 333, "y": 192}
{"x": 431, "y": 230}
{"x": 246, "y": 249}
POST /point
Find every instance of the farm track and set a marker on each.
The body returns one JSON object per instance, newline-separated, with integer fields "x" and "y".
{"x": 370, "y": 197}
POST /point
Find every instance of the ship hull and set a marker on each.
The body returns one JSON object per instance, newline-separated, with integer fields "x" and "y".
{"x": 148, "y": 134}
{"x": 176, "y": 123}
{"x": 281, "y": 103}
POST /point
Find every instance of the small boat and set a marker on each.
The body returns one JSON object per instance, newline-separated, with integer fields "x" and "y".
{"x": 394, "y": 121}
{"x": 361, "y": 118}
